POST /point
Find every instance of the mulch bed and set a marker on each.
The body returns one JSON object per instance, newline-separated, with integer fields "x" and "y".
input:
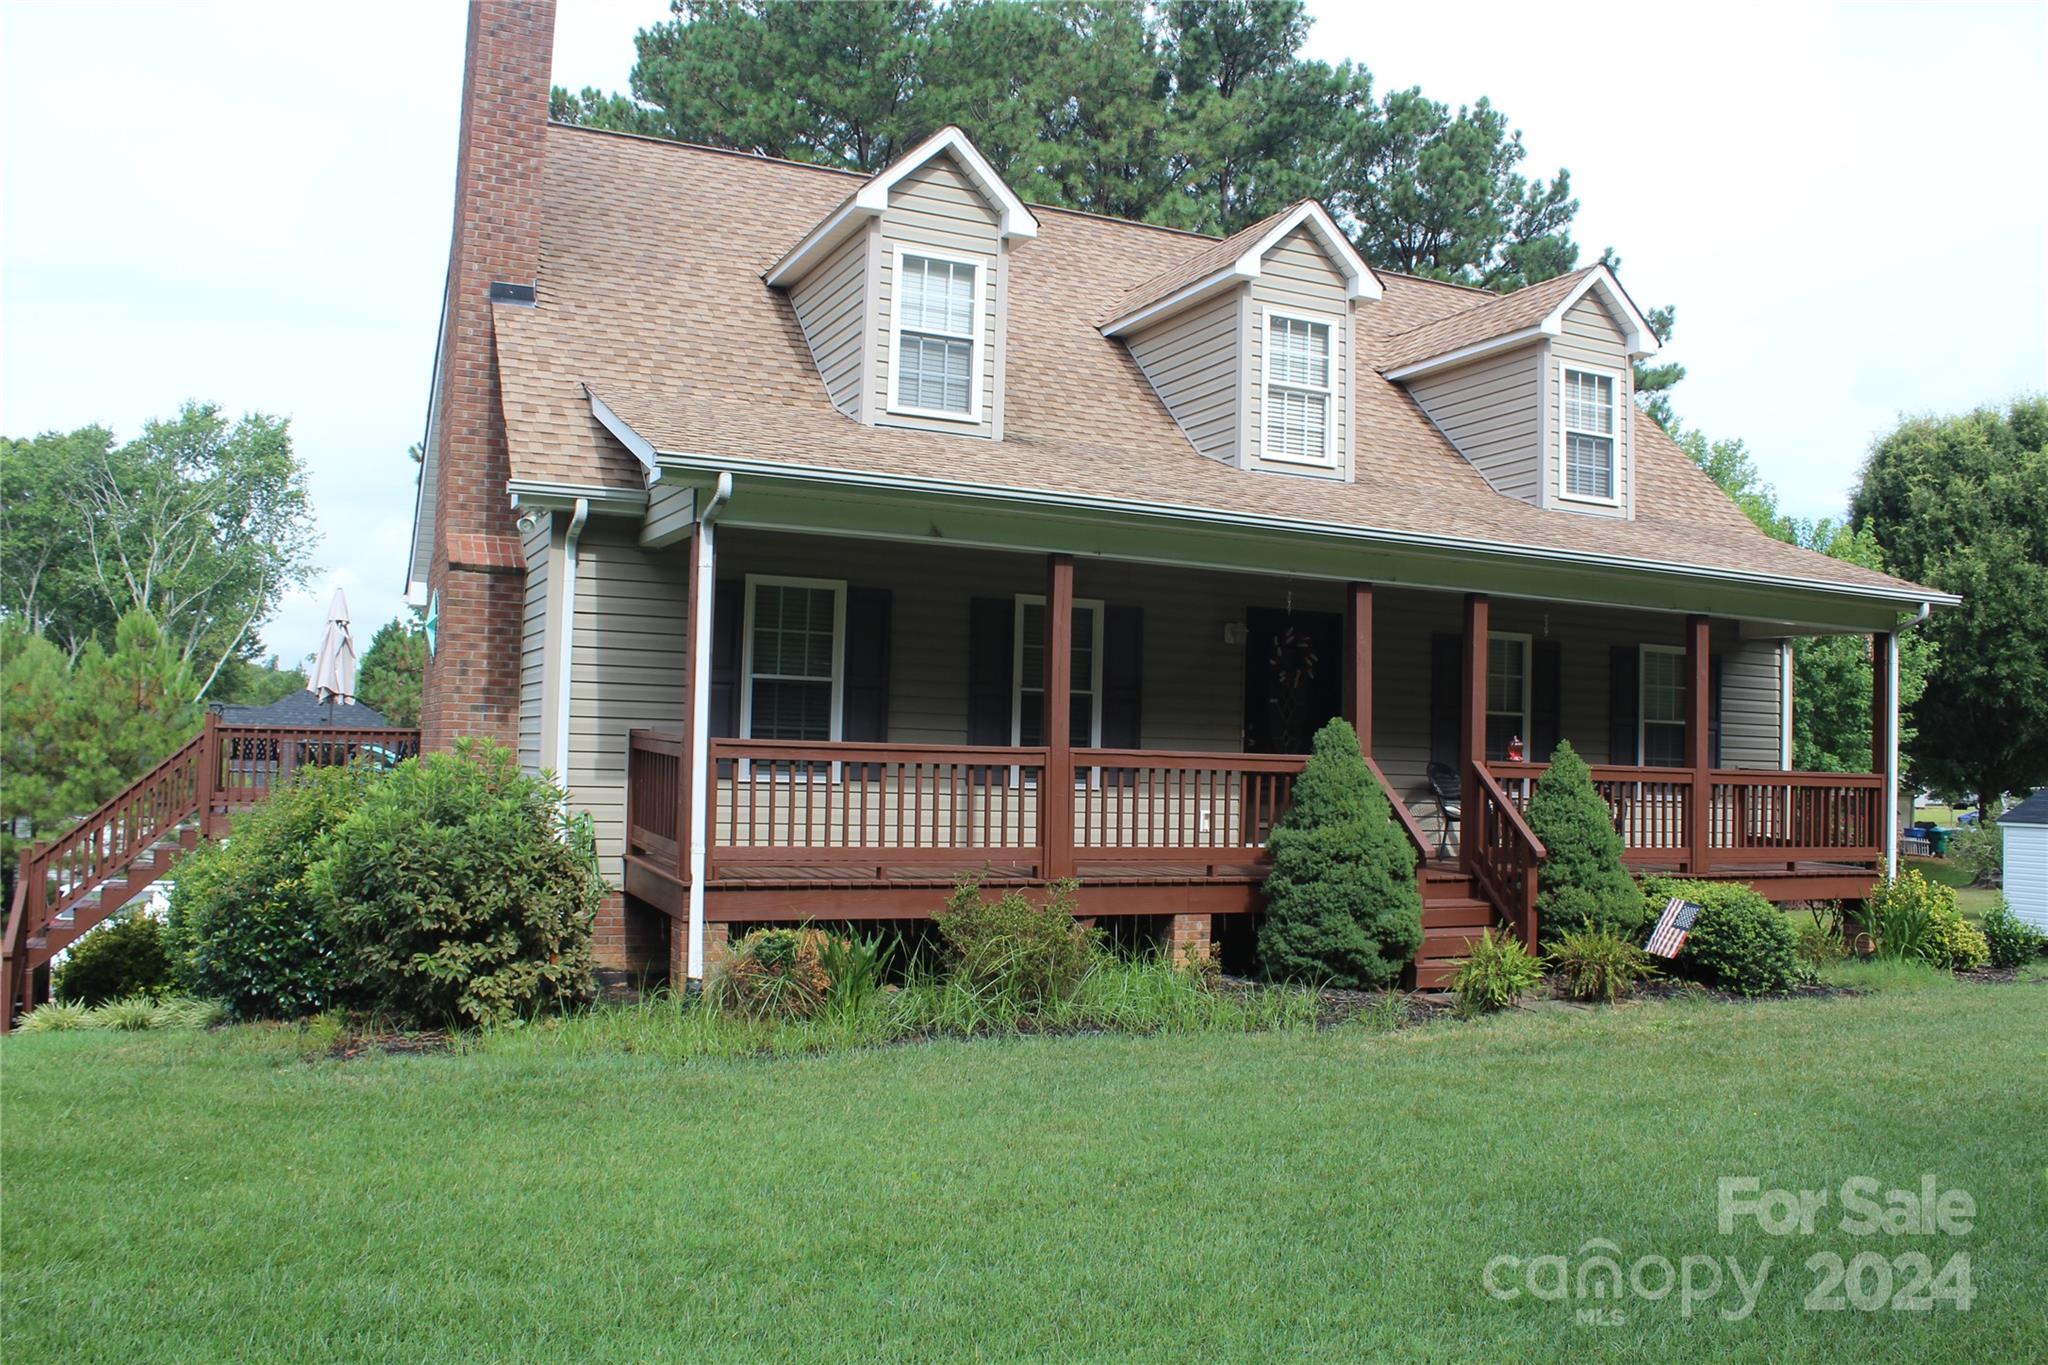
{"x": 391, "y": 1045}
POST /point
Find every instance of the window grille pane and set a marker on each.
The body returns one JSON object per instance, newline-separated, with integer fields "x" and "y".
{"x": 1663, "y": 687}
{"x": 934, "y": 373}
{"x": 1588, "y": 402}
{"x": 1301, "y": 353}
{"x": 1297, "y": 424}
{"x": 1031, "y": 677}
{"x": 1505, "y": 673}
{"x": 1663, "y": 745}
{"x": 788, "y": 709}
{"x": 1589, "y": 466}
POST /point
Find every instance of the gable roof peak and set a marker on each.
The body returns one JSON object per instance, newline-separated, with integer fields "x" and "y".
{"x": 871, "y": 200}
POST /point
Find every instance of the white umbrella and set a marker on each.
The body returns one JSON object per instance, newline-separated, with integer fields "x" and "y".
{"x": 334, "y": 672}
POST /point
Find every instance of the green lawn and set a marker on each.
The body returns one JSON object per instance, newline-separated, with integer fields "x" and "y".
{"x": 1971, "y": 900}
{"x": 1298, "y": 1194}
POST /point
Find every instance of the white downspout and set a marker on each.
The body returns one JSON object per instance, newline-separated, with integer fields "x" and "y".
{"x": 563, "y": 670}
{"x": 706, "y": 550}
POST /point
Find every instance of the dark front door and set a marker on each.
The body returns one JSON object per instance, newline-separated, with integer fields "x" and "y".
{"x": 1293, "y": 677}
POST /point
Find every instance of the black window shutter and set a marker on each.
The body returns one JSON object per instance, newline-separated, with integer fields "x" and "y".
{"x": 864, "y": 709}
{"x": 728, "y": 619}
{"x": 1123, "y": 676}
{"x": 1714, "y": 710}
{"x": 1624, "y": 666}
{"x": 1546, "y": 701}
{"x": 990, "y": 622}
{"x": 1446, "y": 694}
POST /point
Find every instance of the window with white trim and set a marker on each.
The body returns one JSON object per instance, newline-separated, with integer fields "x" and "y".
{"x": 1027, "y": 701}
{"x": 1589, "y": 431}
{"x": 1507, "y": 693}
{"x": 937, "y": 309}
{"x": 1300, "y": 394}
{"x": 1660, "y": 709}
{"x": 795, "y": 658}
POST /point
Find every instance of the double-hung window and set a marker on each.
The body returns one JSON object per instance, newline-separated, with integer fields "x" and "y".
{"x": 1662, "y": 707}
{"x": 795, "y": 658}
{"x": 1507, "y": 693}
{"x": 1027, "y": 706}
{"x": 1300, "y": 393}
{"x": 1589, "y": 432}
{"x": 937, "y": 314}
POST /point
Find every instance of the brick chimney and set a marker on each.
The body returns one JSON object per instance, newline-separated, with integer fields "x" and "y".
{"x": 476, "y": 574}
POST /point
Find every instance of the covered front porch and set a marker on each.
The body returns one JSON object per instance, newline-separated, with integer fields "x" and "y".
{"x": 874, "y": 725}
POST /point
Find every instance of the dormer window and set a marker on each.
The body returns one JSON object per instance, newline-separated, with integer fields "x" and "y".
{"x": 937, "y": 330}
{"x": 1588, "y": 464}
{"x": 1299, "y": 394}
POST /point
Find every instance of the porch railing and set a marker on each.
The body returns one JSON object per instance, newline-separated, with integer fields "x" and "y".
{"x": 1504, "y": 856}
{"x": 1144, "y": 806}
{"x": 1753, "y": 818}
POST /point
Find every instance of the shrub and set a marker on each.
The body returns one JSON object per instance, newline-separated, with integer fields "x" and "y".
{"x": 1739, "y": 943}
{"x": 125, "y": 956}
{"x": 1024, "y": 953}
{"x": 59, "y": 1016}
{"x": 1583, "y": 884}
{"x": 1952, "y": 941}
{"x": 1498, "y": 972}
{"x": 1900, "y": 914}
{"x": 459, "y": 891}
{"x": 2009, "y": 941}
{"x": 246, "y": 925}
{"x": 1979, "y": 850}
{"x": 1595, "y": 964}
{"x": 855, "y": 969}
{"x": 1341, "y": 902}
{"x": 770, "y": 974}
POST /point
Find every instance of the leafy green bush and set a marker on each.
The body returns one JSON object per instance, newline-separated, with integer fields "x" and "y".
{"x": 1342, "y": 906}
{"x": 1899, "y": 915}
{"x": 125, "y": 956}
{"x": 1979, "y": 850}
{"x": 58, "y": 1016}
{"x": 1952, "y": 941}
{"x": 1595, "y": 964}
{"x": 1739, "y": 943}
{"x": 1498, "y": 972}
{"x": 458, "y": 891}
{"x": 2009, "y": 941}
{"x": 1013, "y": 949}
{"x": 1583, "y": 883}
{"x": 247, "y": 926}
{"x": 770, "y": 974}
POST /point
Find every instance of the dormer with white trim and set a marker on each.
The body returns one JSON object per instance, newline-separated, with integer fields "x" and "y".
{"x": 1248, "y": 343}
{"x": 1536, "y": 389}
{"x": 902, "y": 291}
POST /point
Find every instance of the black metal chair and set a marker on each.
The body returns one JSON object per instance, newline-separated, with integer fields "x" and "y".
{"x": 1449, "y": 793}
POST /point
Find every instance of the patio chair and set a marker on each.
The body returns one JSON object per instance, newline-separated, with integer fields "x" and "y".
{"x": 1445, "y": 787}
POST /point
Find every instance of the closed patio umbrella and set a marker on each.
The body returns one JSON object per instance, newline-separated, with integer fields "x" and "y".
{"x": 334, "y": 671}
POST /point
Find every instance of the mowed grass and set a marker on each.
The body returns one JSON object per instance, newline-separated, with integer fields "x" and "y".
{"x": 1973, "y": 901}
{"x": 1333, "y": 1194}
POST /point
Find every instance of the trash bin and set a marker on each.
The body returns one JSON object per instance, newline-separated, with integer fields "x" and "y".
{"x": 1938, "y": 840}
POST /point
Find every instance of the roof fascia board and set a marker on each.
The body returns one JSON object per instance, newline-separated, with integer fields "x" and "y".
{"x": 1123, "y": 512}
{"x": 1642, "y": 338}
{"x": 643, "y": 449}
{"x": 1359, "y": 280}
{"x": 1199, "y": 292}
{"x": 547, "y": 496}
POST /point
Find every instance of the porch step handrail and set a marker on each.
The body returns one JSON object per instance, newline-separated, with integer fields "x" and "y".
{"x": 1503, "y": 854}
{"x": 1402, "y": 815}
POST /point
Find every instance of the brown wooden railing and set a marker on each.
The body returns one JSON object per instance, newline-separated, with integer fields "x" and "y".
{"x": 224, "y": 768}
{"x": 1403, "y": 817}
{"x": 1502, "y": 853}
{"x": 1753, "y": 818}
{"x": 1148, "y": 806}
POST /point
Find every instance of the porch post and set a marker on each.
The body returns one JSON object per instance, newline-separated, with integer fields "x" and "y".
{"x": 1358, "y": 663}
{"x": 1056, "y": 793}
{"x": 1699, "y": 752}
{"x": 1472, "y": 727}
{"x": 1884, "y": 744}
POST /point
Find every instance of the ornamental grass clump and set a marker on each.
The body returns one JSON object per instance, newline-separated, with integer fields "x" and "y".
{"x": 1342, "y": 907}
{"x": 1584, "y": 884}
{"x": 1594, "y": 964}
{"x": 1497, "y": 973}
{"x": 770, "y": 974}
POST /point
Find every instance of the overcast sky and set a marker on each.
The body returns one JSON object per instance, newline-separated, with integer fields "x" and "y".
{"x": 249, "y": 204}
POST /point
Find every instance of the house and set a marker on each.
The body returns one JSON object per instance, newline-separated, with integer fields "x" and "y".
{"x": 767, "y": 504}
{"x": 303, "y": 709}
{"x": 2025, "y": 831}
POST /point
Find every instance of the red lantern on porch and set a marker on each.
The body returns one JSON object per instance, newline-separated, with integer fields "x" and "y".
{"x": 1515, "y": 754}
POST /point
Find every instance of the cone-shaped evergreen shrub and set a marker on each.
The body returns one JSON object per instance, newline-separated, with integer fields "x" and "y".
{"x": 1341, "y": 901}
{"x": 1583, "y": 884}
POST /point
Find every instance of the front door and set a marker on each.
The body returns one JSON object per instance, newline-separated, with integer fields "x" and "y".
{"x": 1293, "y": 677}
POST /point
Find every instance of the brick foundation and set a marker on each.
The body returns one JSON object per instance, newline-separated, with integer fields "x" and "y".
{"x": 716, "y": 939}
{"x": 1190, "y": 937}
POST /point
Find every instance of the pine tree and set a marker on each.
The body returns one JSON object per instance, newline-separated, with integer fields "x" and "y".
{"x": 1583, "y": 882}
{"x": 1341, "y": 902}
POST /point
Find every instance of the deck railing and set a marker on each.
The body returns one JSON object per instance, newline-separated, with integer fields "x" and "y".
{"x": 1503, "y": 854}
{"x": 1144, "y": 806}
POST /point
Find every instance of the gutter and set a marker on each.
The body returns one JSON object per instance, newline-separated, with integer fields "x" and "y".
{"x": 563, "y": 670}
{"x": 704, "y": 575}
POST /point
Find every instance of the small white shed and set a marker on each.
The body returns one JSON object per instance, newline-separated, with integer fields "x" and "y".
{"x": 2026, "y": 859}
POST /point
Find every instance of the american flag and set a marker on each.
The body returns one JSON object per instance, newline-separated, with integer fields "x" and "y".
{"x": 1674, "y": 926}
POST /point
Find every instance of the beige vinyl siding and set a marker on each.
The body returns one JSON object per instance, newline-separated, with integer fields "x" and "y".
{"x": 1492, "y": 412}
{"x": 1192, "y": 364}
{"x": 671, "y": 511}
{"x": 939, "y": 208}
{"x": 533, "y": 646}
{"x": 1590, "y": 339}
{"x": 831, "y": 306}
{"x": 1751, "y": 720}
{"x": 626, "y": 668}
{"x": 1298, "y": 278}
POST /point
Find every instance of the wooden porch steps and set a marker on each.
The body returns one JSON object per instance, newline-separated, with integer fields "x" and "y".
{"x": 1453, "y": 915}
